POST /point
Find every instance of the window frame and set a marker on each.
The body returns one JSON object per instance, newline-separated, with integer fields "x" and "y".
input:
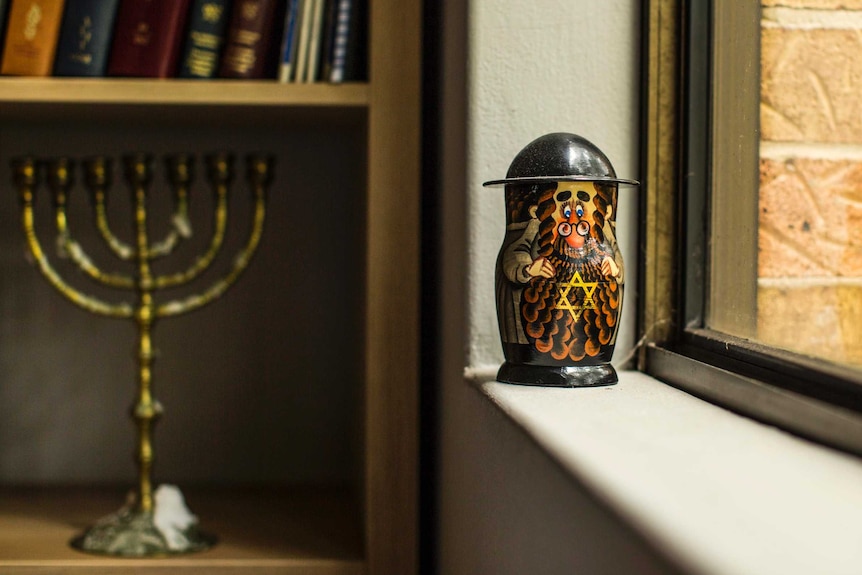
{"x": 701, "y": 110}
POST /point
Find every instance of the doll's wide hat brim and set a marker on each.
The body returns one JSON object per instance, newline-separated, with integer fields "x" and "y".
{"x": 560, "y": 157}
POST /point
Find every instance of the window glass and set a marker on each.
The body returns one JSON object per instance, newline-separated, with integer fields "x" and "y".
{"x": 809, "y": 225}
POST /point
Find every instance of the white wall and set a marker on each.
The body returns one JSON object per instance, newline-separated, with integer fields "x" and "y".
{"x": 531, "y": 67}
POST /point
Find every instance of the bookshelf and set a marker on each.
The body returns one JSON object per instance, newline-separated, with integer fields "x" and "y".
{"x": 268, "y": 428}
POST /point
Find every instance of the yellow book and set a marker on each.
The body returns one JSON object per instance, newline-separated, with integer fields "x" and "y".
{"x": 31, "y": 37}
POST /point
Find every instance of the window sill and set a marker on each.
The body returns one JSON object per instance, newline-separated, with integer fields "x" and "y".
{"x": 716, "y": 492}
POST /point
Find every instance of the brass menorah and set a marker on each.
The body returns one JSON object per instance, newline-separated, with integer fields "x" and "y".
{"x": 141, "y": 528}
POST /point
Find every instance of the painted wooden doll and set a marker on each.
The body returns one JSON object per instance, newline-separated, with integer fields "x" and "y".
{"x": 559, "y": 274}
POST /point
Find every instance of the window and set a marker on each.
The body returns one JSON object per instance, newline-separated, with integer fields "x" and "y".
{"x": 753, "y": 203}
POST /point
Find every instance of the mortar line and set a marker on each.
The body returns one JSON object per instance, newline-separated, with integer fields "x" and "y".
{"x": 808, "y": 282}
{"x": 807, "y": 19}
{"x": 786, "y": 150}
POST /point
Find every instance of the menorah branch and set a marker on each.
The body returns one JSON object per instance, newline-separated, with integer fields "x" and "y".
{"x": 25, "y": 174}
{"x": 122, "y": 251}
{"x": 203, "y": 263}
{"x": 97, "y": 173}
{"x": 60, "y": 182}
{"x": 215, "y": 291}
{"x": 180, "y": 174}
{"x": 179, "y": 230}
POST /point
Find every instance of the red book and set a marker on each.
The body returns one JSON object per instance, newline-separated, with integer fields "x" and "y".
{"x": 148, "y": 36}
{"x": 253, "y": 39}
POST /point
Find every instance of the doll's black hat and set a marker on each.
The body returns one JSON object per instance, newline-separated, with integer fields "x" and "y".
{"x": 560, "y": 157}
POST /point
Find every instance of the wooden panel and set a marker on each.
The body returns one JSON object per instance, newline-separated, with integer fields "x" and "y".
{"x": 260, "y": 532}
{"x": 392, "y": 332}
{"x": 735, "y": 176}
{"x": 660, "y": 168}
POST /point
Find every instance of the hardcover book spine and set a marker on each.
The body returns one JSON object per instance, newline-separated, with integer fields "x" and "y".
{"x": 147, "y": 38}
{"x": 356, "y": 67}
{"x": 85, "y": 37}
{"x": 288, "y": 45}
{"x": 315, "y": 41}
{"x": 304, "y": 41}
{"x": 4, "y": 10}
{"x": 31, "y": 37}
{"x": 327, "y": 40}
{"x": 340, "y": 35}
{"x": 250, "y": 40}
{"x": 349, "y": 44}
{"x": 205, "y": 39}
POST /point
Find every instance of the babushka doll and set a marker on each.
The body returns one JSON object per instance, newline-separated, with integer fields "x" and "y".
{"x": 559, "y": 276}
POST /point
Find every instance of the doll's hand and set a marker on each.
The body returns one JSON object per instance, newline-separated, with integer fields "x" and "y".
{"x": 541, "y": 267}
{"x": 610, "y": 267}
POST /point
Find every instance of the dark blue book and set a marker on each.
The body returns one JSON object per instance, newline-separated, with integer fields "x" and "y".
{"x": 205, "y": 38}
{"x": 348, "y": 56}
{"x": 289, "y": 40}
{"x": 85, "y": 37}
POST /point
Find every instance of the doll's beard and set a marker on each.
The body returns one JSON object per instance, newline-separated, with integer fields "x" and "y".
{"x": 590, "y": 249}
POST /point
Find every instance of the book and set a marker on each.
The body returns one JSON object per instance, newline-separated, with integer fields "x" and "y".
{"x": 251, "y": 50}
{"x": 85, "y": 37}
{"x": 327, "y": 39}
{"x": 205, "y": 38}
{"x": 31, "y": 37}
{"x": 348, "y": 43}
{"x": 4, "y": 9}
{"x": 314, "y": 41}
{"x": 147, "y": 38}
{"x": 304, "y": 41}
{"x": 288, "y": 44}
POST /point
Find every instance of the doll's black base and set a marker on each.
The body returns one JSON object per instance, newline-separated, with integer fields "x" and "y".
{"x": 556, "y": 376}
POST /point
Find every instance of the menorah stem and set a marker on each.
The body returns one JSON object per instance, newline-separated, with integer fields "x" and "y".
{"x": 147, "y": 410}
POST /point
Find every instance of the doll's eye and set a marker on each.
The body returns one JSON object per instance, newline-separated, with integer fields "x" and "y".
{"x": 567, "y": 212}
{"x": 580, "y": 211}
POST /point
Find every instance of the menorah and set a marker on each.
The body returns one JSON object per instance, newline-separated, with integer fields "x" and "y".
{"x": 153, "y": 522}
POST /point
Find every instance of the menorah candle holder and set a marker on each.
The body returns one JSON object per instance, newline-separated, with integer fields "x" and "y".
{"x": 559, "y": 276}
{"x": 154, "y": 521}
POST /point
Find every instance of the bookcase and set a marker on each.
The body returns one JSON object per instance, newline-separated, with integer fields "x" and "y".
{"x": 291, "y": 405}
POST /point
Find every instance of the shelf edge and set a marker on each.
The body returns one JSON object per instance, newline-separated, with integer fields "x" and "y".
{"x": 137, "y": 91}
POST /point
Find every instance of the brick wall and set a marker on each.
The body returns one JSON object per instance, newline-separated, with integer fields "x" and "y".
{"x": 810, "y": 231}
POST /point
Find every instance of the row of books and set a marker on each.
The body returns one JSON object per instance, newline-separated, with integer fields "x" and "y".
{"x": 287, "y": 40}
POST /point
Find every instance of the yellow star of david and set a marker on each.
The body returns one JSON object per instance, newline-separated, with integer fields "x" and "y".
{"x": 588, "y": 303}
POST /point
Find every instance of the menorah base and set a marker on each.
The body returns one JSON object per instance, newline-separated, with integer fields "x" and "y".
{"x": 170, "y": 529}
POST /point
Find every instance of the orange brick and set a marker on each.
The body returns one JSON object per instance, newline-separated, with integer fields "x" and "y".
{"x": 801, "y": 319}
{"x": 850, "y": 312}
{"x": 823, "y": 321}
{"x": 810, "y": 218}
{"x": 811, "y": 85}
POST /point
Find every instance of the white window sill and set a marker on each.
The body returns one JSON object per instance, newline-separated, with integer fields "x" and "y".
{"x": 716, "y": 492}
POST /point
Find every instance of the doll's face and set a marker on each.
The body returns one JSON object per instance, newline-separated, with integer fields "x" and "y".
{"x": 575, "y": 213}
